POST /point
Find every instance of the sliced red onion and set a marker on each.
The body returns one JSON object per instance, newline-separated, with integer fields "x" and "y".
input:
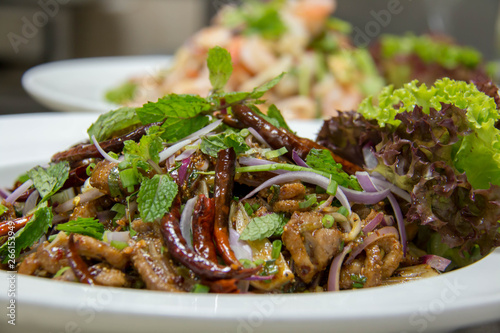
{"x": 170, "y": 151}
{"x": 298, "y": 160}
{"x": 260, "y": 277}
{"x": 368, "y": 198}
{"x": 327, "y": 203}
{"x": 183, "y": 170}
{"x": 373, "y": 223}
{"x": 377, "y": 234}
{"x": 117, "y": 236}
{"x": 204, "y": 130}
{"x": 79, "y": 199}
{"x": 4, "y": 193}
{"x": 19, "y": 191}
{"x": 245, "y": 160}
{"x": 103, "y": 153}
{"x": 370, "y": 159}
{"x": 186, "y": 221}
{"x": 185, "y": 154}
{"x": 388, "y": 220}
{"x": 335, "y": 267}
{"x": 436, "y": 262}
{"x": 258, "y": 136}
{"x": 30, "y": 202}
{"x": 305, "y": 176}
{"x": 394, "y": 189}
{"x": 367, "y": 184}
{"x": 240, "y": 248}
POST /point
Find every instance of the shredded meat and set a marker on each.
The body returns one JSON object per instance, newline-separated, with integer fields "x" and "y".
{"x": 99, "y": 178}
{"x": 292, "y": 191}
{"x": 310, "y": 245}
{"x": 29, "y": 265}
{"x": 154, "y": 271}
{"x": 93, "y": 248}
{"x": 107, "y": 276}
{"x": 87, "y": 209}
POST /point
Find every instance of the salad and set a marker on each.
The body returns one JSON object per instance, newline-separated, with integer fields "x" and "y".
{"x": 325, "y": 71}
{"x": 209, "y": 194}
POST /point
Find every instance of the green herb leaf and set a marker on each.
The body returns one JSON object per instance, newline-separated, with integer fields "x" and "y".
{"x": 114, "y": 122}
{"x": 122, "y": 94}
{"x": 3, "y": 209}
{"x": 220, "y": 67}
{"x": 49, "y": 181}
{"x": 213, "y": 144}
{"x": 36, "y": 227}
{"x": 178, "y": 128}
{"x": 173, "y": 106}
{"x": 264, "y": 227}
{"x": 84, "y": 226}
{"x": 155, "y": 197}
{"x": 274, "y": 113}
{"x": 322, "y": 160}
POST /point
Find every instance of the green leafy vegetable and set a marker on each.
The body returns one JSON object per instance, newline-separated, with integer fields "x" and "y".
{"x": 114, "y": 122}
{"x": 220, "y": 67}
{"x": 155, "y": 197}
{"x": 264, "y": 227}
{"x": 36, "y": 227}
{"x": 122, "y": 94}
{"x": 84, "y": 226}
{"x": 49, "y": 181}
{"x": 3, "y": 209}
{"x": 274, "y": 113}
{"x": 227, "y": 139}
{"x": 257, "y": 17}
{"x": 430, "y": 50}
{"x": 322, "y": 160}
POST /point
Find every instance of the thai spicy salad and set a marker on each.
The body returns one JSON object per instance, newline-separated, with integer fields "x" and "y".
{"x": 209, "y": 194}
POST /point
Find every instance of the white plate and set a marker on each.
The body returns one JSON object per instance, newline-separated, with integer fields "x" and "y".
{"x": 81, "y": 84}
{"x": 464, "y": 297}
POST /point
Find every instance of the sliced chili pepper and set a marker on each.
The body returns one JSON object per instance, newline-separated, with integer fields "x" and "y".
{"x": 280, "y": 137}
{"x": 82, "y": 151}
{"x": 203, "y": 224}
{"x": 16, "y": 224}
{"x": 179, "y": 250}
{"x": 77, "y": 264}
{"x": 223, "y": 194}
{"x": 223, "y": 286}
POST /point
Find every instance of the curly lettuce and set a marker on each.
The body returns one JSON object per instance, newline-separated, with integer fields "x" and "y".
{"x": 477, "y": 153}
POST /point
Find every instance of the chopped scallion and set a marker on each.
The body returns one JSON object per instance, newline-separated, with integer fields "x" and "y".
{"x": 275, "y": 253}
{"x": 310, "y": 200}
{"x": 276, "y": 153}
{"x": 328, "y": 221}
{"x": 200, "y": 289}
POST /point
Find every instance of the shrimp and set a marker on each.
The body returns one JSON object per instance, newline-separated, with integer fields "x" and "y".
{"x": 314, "y": 13}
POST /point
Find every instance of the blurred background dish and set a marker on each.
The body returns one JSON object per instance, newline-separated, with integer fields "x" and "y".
{"x": 49, "y": 30}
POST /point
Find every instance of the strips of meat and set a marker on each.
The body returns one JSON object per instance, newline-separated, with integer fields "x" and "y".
{"x": 77, "y": 264}
{"x": 311, "y": 246}
{"x": 153, "y": 271}
{"x": 93, "y": 248}
{"x": 223, "y": 194}
{"x": 178, "y": 249}
{"x": 280, "y": 137}
{"x": 203, "y": 225}
{"x": 83, "y": 151}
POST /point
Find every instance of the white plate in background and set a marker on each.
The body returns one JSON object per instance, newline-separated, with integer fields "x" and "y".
{"x": 468, "y": 296}
{"x": 81, "y": 84}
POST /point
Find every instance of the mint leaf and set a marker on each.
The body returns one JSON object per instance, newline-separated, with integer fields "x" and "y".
{"x": 113, "y": 122}
{"x": 274, "y": 113}
{"x": 3, "y": 209}
{"x": 213, "y": 144}
{"x": 49, "y": 181}
{"x": 122, "y": 94}
{"x": 148, "y": 148}
{"x": 155, "y": 197}
{"x": 36, "y": 227}
{"x": 84, "y": 226}
{"x": 173, "y": 106}
{"x": 264, "y": 227}
{"x": 261, "y": 90}
{"x": 322, "y": 160}
{"x": 178, "y": 128}
{"x": 220, "y": 67}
